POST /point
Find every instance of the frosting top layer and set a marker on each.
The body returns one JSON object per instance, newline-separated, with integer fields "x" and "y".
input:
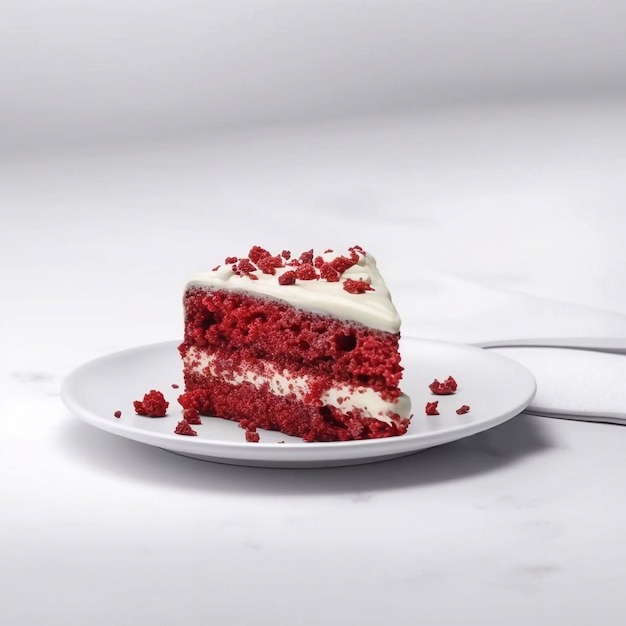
{"x": 348, "y": 286}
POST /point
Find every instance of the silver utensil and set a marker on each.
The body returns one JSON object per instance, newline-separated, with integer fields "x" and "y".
{"x": 616, "y": 345}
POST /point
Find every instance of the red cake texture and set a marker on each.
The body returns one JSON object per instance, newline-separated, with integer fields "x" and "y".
{"x": 252, "y": 436}
{"x": 183, "y": 428}
{"x": 152, "y": 405}
{"x": 446, "y": 388}
{"x": 431, "y": 408}
{"x": 192, "y": 416}
{"x": 235, "y": 341}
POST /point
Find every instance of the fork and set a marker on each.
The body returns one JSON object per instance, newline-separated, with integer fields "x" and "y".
{"x": 616, "y": 345}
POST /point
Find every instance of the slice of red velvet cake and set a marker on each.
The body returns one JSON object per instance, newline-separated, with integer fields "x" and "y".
{"x": 304, "y": 345}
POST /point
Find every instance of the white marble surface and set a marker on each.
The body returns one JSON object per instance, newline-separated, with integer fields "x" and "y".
{"x": 521, "y": 524}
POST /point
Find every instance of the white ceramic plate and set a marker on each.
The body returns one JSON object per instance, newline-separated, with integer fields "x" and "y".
{"x": 495, "y": 387}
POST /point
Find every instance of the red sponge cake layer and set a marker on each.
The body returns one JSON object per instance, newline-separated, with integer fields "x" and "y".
{"x": 244, "y": 329}
{"x": 260, "y": 408}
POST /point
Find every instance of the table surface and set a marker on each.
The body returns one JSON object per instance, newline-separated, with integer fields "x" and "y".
{"x": 522, "y": 522}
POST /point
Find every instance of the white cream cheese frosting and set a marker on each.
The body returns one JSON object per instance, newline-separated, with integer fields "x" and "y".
{"x": 372, "y": 405}
{"x": 372, "y": 308}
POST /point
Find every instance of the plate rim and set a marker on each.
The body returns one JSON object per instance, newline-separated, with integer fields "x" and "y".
{"x": 293, "y": 454}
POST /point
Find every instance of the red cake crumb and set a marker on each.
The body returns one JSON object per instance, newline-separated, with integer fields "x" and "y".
{"x": 431, "y": 408}
{"x": 307, "y": 257}
{"x": 356, "y": 286}
{"x": 446, "y": 388}
{"x": 192, "y": 416}
{"x": 256, "y": 253}
{"x": 463, "y": 409}
{"x": 245, "y": 266}
{"x": 286, "y": 254}
{"x": 269, "y": 263}
{"x": 306, "y": 272}
{"x": 252, "y": 436}
{"x": 175, "y": 386}
{"x": 230, "y": 259}
{"x": 329, "y": 273}
{"x": 117, "y": 414}
{"x": 288, "y": 278}
{"x": 183, "y": 428}
{"x": 266, "y": 266}
{"x": 341, "y": 263}
{"x": 152, "y": 405}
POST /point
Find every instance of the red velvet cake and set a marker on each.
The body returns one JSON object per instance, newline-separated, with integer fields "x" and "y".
{"x": 305, "y": 345}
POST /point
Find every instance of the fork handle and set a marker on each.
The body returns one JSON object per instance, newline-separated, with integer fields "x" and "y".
{"x": 616, "y": 345}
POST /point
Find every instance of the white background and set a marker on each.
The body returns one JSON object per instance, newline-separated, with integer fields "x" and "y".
{"x": 97, "y": 70}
